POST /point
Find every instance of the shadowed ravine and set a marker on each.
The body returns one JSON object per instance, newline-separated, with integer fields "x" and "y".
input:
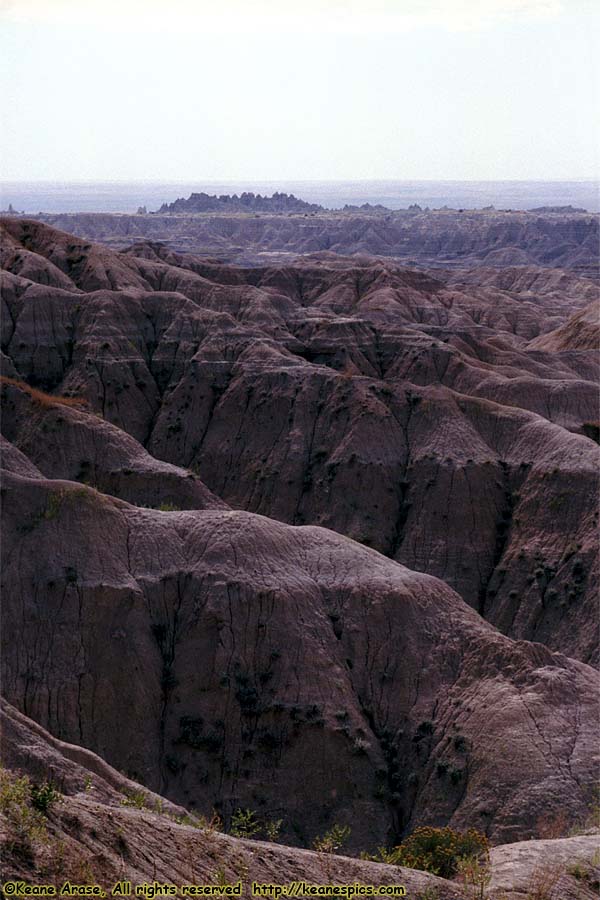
{"x": 424, "y": 636}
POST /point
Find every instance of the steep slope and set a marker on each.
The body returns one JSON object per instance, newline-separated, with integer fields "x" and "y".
{"x": 580, "y": 332}
{"x": 406, "y": 411}
{"x": 64, "y": 441}
{"x": 88, "y": 834}
{"x": 559, "y": 869}
{"x": 91, "y": 836}
{"x": 209, "y": 654}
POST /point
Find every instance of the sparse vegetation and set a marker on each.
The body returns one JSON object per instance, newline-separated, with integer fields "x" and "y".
{"x": 360, "y": 745}
{"x": 246, "y": 824}
{"x": 16, "y": 803}
{"x": 41, "y": 397}
{"x": 579, "y": 870}
{"x": 475, "y": 873}
{"x": 136, "y": 800}
{"x": 43, "y": 796}
{"x": 55, "y": 499}
{"x": 424, "y": 729}
{"x": 439, "y": 850}
{"x": 552, "y": 825}
{"x": 333, "y": 839}
{"x": 543, "y": 881}
{"x": 273, "y": 828}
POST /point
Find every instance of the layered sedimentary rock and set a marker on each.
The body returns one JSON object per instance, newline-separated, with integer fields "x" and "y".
{"x": 167, "y": 420}
{"x": 88, "y": 834}
{"x": 95, "y": 833}
{"x": 209, "y": 654}
{"x": 245, "y": 202}
{"x": 437, "y": 237}
{"x": 415, "y": 414}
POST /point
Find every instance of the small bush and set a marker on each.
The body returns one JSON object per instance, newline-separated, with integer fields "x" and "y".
{"x": 43, "y": 796}
{"x": 244, "y": 824}
{"x": 26, "y": 822}
{"x": 136, "y": 800}
{"x": 423, "y": 730}
{"x": 439, "y": 850}
{"x": 383, "y": 855}
{"x": 552, "y": 825}
{"x": 579, "y": 870}
{"x": 475, "y": 872}
{"x": 332, "y": 840}
{"x": 273, "y": 828}
{"x": 543, "y": 881}
{"x": 70, "y": 574}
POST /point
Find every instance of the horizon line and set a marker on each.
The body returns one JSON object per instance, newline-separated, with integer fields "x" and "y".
{"x": 593, "y": 179}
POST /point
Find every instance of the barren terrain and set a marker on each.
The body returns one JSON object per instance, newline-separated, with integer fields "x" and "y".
{"x": 439, "y": 238}
{"x": 333, "y": 509}
{"x": 102, "y": 828}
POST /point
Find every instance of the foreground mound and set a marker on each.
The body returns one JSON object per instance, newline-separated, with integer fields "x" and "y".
{"x": 102, "y": 828}
{"x": 210, "y": 654}
{"x": 94, "y": 832}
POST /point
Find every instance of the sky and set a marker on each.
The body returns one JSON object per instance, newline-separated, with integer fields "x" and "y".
{"x": 299, "y": 89}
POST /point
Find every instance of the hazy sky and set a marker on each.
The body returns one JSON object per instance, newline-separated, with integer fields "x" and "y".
{"x": 305, "y": 89}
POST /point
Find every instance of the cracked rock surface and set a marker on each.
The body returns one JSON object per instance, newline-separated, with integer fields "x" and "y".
{"x": 318, "y": 539}
{"x": 91, "y": 835}
{"x": 209, "y": 654}
{"x": 437, "y": 421}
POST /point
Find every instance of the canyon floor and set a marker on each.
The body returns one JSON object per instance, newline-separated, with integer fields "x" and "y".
{"x": 315, "y": 535}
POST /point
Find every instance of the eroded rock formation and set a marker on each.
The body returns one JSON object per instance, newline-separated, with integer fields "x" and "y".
{"x": 419, "y": 416}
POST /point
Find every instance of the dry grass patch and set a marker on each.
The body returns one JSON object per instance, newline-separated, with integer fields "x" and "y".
{"x": 41, "y": 397}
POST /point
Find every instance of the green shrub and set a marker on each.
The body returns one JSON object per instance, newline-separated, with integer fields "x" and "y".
{"x": 439, "y": 850}
{"x": 332, "y": 840}
{"x": 43, "y": 796}
{"x": 26, "y": 823}
{"x": 424, "y": 729}
{"x": 273, "y": 828}
{"x": 244, "y": 824}
{"x": 383, "y": 855}
{"x": 135, "y": 799}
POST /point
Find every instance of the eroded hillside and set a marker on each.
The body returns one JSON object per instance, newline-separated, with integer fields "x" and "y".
{"x": 167, "y": 420}
{"x": 442, "y": 237}
{"x": 102, "y": 828}
{"x": 423, "y": 417}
